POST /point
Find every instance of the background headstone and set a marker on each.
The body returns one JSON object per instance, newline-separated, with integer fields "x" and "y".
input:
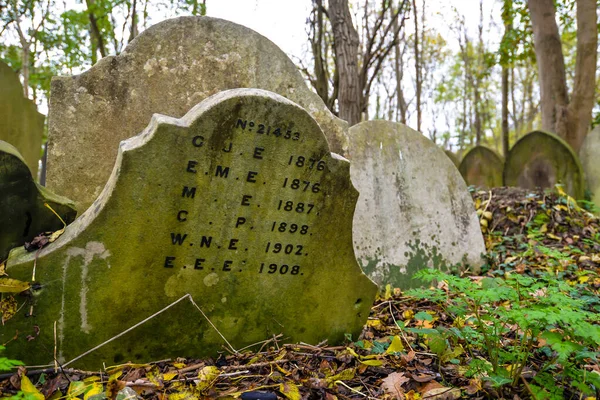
{"x": 20, "y": 123}
{"x": 590, "y": 160}
{"x": 414, "y": 210}
{"x": 453, "y": 157}
{"x": 482, "y": 167}
{"x": 541, "y": 160}
{"x": 167, "y": 69}
{"x": 239, "y": 204}
{"x": 22, "y": 212}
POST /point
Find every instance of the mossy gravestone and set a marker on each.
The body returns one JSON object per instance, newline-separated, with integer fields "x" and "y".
{"x": 239, "y": 204}
{"x": 167, "y": 69}
{"x": 590, "y": 159}
{"x": 541, "y": 160}
{"x": 453, "y": 157}
{"x": 23, "y": 214}
{"x": 482, "y": 167}
{"x": 20, "y": 123}
{"x": 414, "y": 210}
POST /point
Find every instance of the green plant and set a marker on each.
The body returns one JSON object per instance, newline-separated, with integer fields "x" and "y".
{"x": 508, "y": 326}
{"x": 7, "y": 364}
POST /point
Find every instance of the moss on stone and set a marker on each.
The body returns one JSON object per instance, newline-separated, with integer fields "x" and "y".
{"x": 482, "y": 167}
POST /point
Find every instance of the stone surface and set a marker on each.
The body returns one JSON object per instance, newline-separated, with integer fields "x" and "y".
{"x": 239, "y": 204}
{"x": 167, "y": 69}
{"x": 20, "y": 123}
{"x": 542, "y": 159}
{"x": 453, "y": 157}
{"x": 22, "y": 212}
{"x": 414, "y": 210}
{"x": 482, "y": 167}
{"x": 590, "y": 160}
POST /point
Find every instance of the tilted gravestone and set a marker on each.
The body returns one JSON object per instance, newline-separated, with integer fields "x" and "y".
{"x": 23, "y": 214}
{"x": 453, "y": 157}
{"x": 20, "y": 123}
{"x": 589, "y": 154}
{"x": 167, "y": 69}
{"x": 239, "y": 204}
{"x": 541, "y": 160}
{"x": 482, "y": 167}
{"x": 414, "y": 210}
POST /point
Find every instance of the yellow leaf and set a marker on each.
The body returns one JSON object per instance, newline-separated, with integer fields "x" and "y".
{"x": 388, "y": 292}
{"x": 408, "y": 314}
{"x": 96, "y": 388}
{"x": 551, "y": 236}
{"x": 583, "y": 279}
{"x": 29, "y": 389}
{"x": 207, "y": 377}
{"x": 169, "y": 375}
{"x": 3, "y": 269}
{"x": 396, "y": 346}
{"x": 8, "y": 285}
{"x": 374, "y": 323}
{"x": 290, "y": 391}
{"x": 75, "y": 389}
{"x": 8, "y": 308}
{"x": 372, "y": 363}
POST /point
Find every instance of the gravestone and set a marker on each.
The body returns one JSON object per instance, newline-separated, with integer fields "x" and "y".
{"x": 167, "y": 69}
{"x": 23, "y": 214}
{"x": 453, "y": 157}
{"x": 239, "y": 204}
{"x": 482, "y": 167}
{"x": 589, "y": 155}
{"x": 20, "y": 123}
{"x": 414, "y": 210}
{"x": 541, "y": 160}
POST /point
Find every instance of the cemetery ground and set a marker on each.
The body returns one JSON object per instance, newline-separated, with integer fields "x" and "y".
{"x": 526, "y": 327}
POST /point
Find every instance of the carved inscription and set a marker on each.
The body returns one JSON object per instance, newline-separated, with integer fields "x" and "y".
{"x": 288, "y": 187}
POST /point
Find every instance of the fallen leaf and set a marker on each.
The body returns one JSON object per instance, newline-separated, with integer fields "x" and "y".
{"x": 8, "y": 285}
{"x": 392, "y": 385}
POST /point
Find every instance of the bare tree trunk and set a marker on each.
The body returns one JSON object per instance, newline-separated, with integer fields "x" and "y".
{"x": 582, "y": 99}
{"x": 505, "y": 71}
{"x": 96, "y": 36}
{"x": 417, "y": 66}
{"x": 399, "y": 72}
{"x": 133, "y": 32}
{"x": 346, "y": 44}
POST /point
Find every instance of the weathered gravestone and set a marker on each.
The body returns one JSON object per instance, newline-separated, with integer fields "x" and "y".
{"x": 482, "y": 167}
{"x": 23, "y": 214}
{"x": 239, "y": 204}
{"x": 541, "y": 160}
{"x": 590, "y": 159}
{"x": 20, "y": 123}
{"x": 453, "y": 157}
{"x": 414, "y": 210}
{"x": 167, "y": 69}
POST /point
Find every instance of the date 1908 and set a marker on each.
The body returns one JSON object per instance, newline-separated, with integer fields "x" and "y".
{"x": 282, "y": 269}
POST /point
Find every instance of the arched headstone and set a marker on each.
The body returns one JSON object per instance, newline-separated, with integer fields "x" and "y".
{"x": 453, "y": 157}
{"x": 23, "y": 213}
{"x": 414, "y": 210}
{"x": 482, "y": 167}
{"x": 541, "y": 160}
{"x": 590, "y": 160}
{"x": 240, "y": 205}
{"x": 21, "y": 124}
{"x": 167, "y": 69}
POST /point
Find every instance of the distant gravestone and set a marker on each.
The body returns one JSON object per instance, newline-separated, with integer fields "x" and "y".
{"x": 167, "y": 69}
{"x": 239, "y": 204}
{"x": 590, "y": 160}
{"x": 482, "y": 167}
{"x": 541, "y": 160}
{"x": 20, "y": 123}
{"x": 414, "y": 210}
{"x": 23, "y": 214}
{"x": 453, "y": 157}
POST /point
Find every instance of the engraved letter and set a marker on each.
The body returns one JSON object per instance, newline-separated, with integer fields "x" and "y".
{"x": 206, "y": 241}
{"x": 241, "y": 124}
{"x": 228, "y": 150}
{"x": 232, "y": 243}
{"x": 226, "y": 265}
{"x": 222, "y": 172}
{"x": 198, "y": 141}
{"x": 245, "y": 199}
{"x": 258, "y": 152}
{"x": 251, "y": 176}
{"x": 198, "y": 264}
{"x": 188, "y": 192}
{"x": 240, "y": 221}
{"x": 169, "y": 262}
{"x": 181, "y": 216}
{"x": 191, "y": 165}
{"x": 177, "y": 238}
